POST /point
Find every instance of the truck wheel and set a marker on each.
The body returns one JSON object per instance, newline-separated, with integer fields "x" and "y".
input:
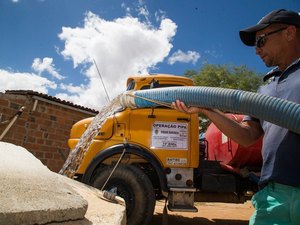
{"x": 133, "y": 185}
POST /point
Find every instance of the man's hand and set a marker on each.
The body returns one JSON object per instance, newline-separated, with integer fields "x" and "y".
{"x": 181, "y": 107}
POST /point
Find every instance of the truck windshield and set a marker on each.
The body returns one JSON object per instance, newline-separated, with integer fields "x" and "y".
{"x": 161, "y": 86}
{"x": 147, "y": 86}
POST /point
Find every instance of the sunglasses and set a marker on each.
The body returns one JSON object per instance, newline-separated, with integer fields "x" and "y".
{"x": 261, "y": 40}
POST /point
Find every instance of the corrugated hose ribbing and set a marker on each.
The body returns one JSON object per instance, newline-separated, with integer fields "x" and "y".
{"x": 275, "y": 110}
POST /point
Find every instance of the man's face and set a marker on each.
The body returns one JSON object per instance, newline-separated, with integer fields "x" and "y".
{"x": 269, "y": 44}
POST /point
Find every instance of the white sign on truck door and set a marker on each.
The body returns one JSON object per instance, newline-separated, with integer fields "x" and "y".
{"x": 169, "y": 135}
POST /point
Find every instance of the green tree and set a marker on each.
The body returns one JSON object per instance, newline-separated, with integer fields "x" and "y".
{"x": 233, "y": 77}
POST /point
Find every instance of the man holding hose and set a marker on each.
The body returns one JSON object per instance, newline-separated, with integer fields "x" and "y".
{"x": 276, "y": 38}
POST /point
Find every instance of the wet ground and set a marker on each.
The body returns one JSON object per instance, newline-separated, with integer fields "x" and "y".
{"x": 208, "y": 214}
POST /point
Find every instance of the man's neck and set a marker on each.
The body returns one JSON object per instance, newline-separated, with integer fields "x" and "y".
{"x": 293, "y": 56}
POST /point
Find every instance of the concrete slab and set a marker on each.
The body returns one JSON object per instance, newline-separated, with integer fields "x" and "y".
{"x": 31, "y": 194}
{"x": 100, "y": 211}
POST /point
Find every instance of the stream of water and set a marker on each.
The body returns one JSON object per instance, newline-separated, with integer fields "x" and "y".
{"x": 76, "y": 155}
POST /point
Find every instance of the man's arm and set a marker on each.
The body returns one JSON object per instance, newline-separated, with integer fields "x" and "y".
{"x": 244, "y": 133}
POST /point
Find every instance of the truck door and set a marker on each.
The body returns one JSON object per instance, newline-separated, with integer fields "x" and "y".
{"x": 168, "y": 134}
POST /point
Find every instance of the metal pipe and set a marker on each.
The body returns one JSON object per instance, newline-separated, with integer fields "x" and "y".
{"x": 12, "y": 122}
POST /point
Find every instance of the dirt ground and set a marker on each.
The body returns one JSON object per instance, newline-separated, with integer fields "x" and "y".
{"x": 208, "y": 214}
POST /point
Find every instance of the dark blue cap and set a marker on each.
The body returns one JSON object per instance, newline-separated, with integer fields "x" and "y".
{"x": 277, "y": 16}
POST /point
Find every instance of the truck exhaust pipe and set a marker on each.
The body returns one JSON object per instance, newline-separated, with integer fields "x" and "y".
{"x": 275, "y": 110}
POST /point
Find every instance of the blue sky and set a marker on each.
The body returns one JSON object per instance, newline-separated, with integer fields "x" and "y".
{"x": 49, "y": 45}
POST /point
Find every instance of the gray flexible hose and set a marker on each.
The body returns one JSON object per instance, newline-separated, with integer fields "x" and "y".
{"x": 275, "y": 110}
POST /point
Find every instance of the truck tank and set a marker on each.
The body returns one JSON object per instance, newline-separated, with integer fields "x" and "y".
{"x": 229, "y": 153}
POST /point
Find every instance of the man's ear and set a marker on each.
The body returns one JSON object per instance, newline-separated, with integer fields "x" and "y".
{"x": 291, "y": 33}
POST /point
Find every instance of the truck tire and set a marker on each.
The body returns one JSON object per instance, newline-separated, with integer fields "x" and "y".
{"x": 133, "y": 185}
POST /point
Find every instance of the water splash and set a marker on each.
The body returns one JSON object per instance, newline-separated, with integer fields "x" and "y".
{"x": 76, "y": 155}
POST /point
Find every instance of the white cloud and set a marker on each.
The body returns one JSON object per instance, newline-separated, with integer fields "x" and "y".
{"x": 143, "y": 11}
{"x": 46, "y": 65}
{"x": 29, "y": 81}
{"x": 121, "y": 48}
{"x": 127, "y": 9}
{"x": 180, "y": 56}
{"x": 160, "y": 15}
{"x": 213, "y": 53}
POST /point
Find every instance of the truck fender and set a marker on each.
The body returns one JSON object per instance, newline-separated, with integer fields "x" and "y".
{"x": 132, "y": 149}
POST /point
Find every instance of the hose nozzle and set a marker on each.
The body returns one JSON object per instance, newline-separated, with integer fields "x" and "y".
{"x": 127, "y": 100}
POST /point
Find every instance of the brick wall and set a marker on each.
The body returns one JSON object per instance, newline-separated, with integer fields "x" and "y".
{"x": 44, "y": 126}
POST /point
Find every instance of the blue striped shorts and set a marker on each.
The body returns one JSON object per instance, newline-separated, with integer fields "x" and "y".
{"x": 276, "y": 204}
